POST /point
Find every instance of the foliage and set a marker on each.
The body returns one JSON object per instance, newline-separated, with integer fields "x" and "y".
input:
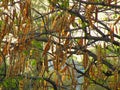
{"x": 59, "y": 44}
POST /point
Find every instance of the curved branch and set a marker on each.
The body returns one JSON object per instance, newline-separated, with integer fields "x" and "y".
{"x": 99, "y": 3}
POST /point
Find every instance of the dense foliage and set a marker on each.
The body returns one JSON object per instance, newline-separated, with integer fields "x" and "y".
{"x": 59, "y": 44}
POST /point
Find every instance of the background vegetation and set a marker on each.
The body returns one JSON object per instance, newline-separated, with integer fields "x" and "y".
{"x": 59, "y": 44}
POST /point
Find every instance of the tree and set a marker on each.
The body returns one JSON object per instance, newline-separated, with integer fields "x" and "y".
{"x": 40, "y": 41}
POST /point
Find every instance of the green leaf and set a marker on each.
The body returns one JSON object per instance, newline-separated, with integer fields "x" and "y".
{"x": 37, "y": 44}
{"x": 33, "y": 62}
{"x": 26, "y": 52}
{"x": 84, "y": 24}
{"x": 1, "y": 23}
{"x": 65, "y": 3}
{"x": 74, "y": 24}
